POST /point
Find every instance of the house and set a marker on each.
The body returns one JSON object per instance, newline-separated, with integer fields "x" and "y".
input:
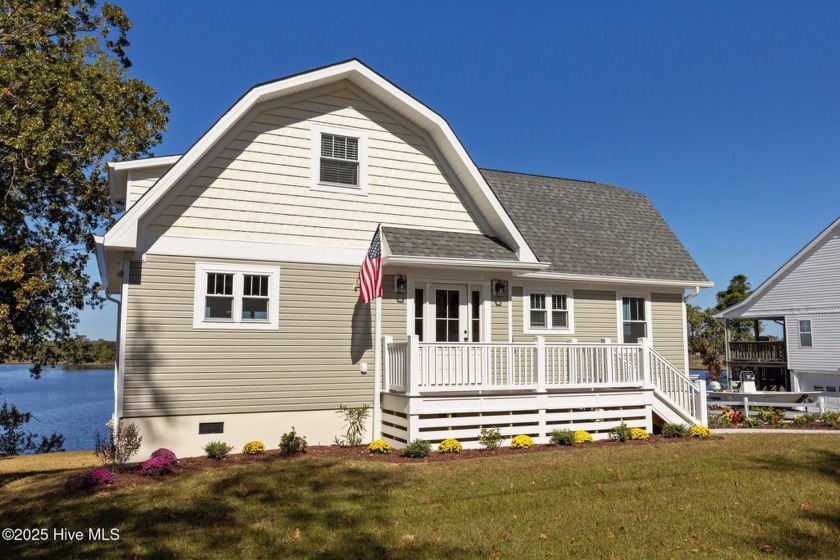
{"x": 804, "y": 297}
{"x": 511, "y": 300}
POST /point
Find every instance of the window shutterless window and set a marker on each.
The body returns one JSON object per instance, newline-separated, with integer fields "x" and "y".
{"x": 339, "y": 160}
{"x": 548, "y": 311}
{"x": 236, "y": 297}
{"x": 634, "y": 319}
{"x": 419, "y": 300}
{"x": 805, "y": 338}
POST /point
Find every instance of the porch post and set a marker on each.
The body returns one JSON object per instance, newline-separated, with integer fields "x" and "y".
{"x": 413, "y": 364}
{"x": 644, "y": 361}
{"x": 377, "y": 370}
{"x": 540, "y": 343}
{"x": 702, "y": 407}
{"x": 609, "y": 362}
{"x": 386, "y": 363}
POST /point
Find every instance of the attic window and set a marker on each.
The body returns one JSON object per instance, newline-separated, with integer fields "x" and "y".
{"x": 339, "y": 160}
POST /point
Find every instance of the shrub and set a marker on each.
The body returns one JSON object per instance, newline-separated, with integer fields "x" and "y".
{"x": 217, "y": 449}
{"x": 122, "y": 441}
{"x": 620, "y": 433}
{"x": 675, "y": 430}
{"x": 582, "y": 436}
{"x": 97, "y": 477}
{"x": 562, "y": 437}
{"x": 831, "y": 419}
{"x": 417, "y": 449}
{"x": 491, "y": 438}
{"x": 380, "y": 446}
{"x": 734, "y": 416}
{"x": 750, "y": 423}
{"x": 772, "y": 416}
{"x": 719, "y": 421}
{"x": 290, "y": 442}
{"x": 253, "y": 448}
{"x": 156, "y": 466}
{"x": 805, "y": 419}
{"x": 165, "y": 454}
{"x": 639, "y": 434}
{"x": 354, "y": 421}
{"x": 522, "y": 442}
{"x": 450, "y": 445}
{"x": 699, "y": 431}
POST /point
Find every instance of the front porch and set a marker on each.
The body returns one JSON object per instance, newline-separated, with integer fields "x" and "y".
{"x": 439, "y": 390}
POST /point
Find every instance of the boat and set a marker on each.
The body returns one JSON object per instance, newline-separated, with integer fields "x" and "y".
{"x": 747, "y": 390}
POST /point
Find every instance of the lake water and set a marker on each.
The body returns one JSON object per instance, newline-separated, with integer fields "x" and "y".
{"x": 73, "y": 402}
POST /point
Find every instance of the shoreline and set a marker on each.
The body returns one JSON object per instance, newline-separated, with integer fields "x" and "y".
{"x": 66, "y": 365}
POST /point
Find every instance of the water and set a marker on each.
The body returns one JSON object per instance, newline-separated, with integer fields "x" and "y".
{"x": 73, "y": 402}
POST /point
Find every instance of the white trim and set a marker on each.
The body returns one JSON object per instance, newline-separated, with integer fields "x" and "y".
{"x": 684, "y": 335}
{"x": 509, "y": 309}
{"x": 616, "y": 280}
{"x": 119, "y": 173}
{"x": 464, "y": 319}
{"x": 620, "y": 314}
{"x": 442, "y": 262}
{"x": 255, "y": 251}
{"x": 99, "y": 249}
{"x": 236, "y": 322}
{"x": 125, "y": 231}
{"x": 548, "y": 292}
{"x": 799, "y": 332}
{"x": 119, "y": 380}
{"x": 732, "y": 312}
{"x": 143, "y": 163}
{"x": 315, "y": 160}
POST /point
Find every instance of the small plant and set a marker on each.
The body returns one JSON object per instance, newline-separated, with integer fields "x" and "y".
{"x": 562, "y": 437}
{"x": 417, "y": 449}
{"x": 734, "y": 416}
{"x": 165, "y": 454}
{"x": 582, "y": 436}
{"x": 675, "y": 430}
{"x": 772, "y": 416}
{"x": 620, "y": 432}
{"x": 522, "y": 442}
{"x": 122, "y": 441}
{"x": 639, "y": 434}
{"x": 253, "y": 448}
{"x": 719, "y": 421}
{"x": 354, "y": 422}
{"x": 830, "y": 419}
{"x": 217, "y": 449}
{"x": 156, "y": 466}
{"x": 380, "y": 446}
{"x": 290, "y": 443}
{"x": 699, "y": 431}
{"x": 491, "y": 438}
{"x": 805, "y": 419}
{"x": 750, "y": 423}
{"x": 97, "y": 477}
{"x": 450, "y": 445}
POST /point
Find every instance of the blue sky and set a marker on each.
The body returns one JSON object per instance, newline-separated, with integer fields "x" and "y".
{"x": 725, "y": 114}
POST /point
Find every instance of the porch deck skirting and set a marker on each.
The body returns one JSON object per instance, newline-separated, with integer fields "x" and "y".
{"x": 435, "y": 391}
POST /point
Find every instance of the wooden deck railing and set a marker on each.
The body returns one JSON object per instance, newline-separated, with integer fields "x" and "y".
{"x": 767, "y": 351}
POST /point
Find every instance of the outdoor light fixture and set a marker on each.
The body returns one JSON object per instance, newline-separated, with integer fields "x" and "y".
{"x": 400, "y": 284}
{"x": 500, "y": 288}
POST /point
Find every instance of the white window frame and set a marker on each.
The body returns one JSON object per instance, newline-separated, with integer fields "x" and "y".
{"x": 810, "y": 332}
{"x": 619, "y": 304}
{"x": 549, "y": 328}
{"x": 315, "y": 164}
{"x": 239, "y": 272}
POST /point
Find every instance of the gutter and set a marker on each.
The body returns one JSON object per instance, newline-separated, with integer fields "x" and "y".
{"x": 694, "y": 293}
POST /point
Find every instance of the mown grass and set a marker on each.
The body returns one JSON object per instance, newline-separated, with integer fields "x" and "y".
{"x": 748, "y": 496}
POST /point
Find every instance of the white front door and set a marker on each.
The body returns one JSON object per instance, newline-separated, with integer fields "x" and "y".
{"x": 449, "y": 317}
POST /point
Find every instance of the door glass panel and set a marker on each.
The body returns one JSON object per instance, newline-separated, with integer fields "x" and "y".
{"x": 476, "y": 316}
{"x": 440, "y": 304}
{"x": 418, "y": 313}
{"x": 447, "y": 315}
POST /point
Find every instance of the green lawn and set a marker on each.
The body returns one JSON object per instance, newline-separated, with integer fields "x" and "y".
{"x": 747, "y": 496}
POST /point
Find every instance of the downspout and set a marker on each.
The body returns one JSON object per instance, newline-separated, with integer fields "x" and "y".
{"x": 117, "y": 352}
{"x": 694, "y": 293}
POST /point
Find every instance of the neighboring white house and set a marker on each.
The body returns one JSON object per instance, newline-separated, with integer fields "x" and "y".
{"x": 804, "y": 295}
{"x": 511, "y": 300}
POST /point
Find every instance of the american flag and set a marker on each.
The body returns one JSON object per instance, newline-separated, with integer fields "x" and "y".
{"x": 370, "y": 275}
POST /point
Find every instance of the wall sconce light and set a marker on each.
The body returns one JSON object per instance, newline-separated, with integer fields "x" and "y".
{"x": 400, "y": 284}
{"x": 500, "y": 288}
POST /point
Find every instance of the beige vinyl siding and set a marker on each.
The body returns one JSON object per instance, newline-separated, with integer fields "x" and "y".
{"x": 141, "y": 181}
{"x": 499, "y": 326}
{"x": 258, "y": 186}
{"x": 311, "y": 362}
{"x": 668, "y": 328}
{"x": 595, "y": 317}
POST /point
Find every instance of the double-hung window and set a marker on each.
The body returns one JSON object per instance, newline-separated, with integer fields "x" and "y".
{"x": 236, "y": 297}
{"x": 339, "y": 160}
{"x": 546, "y": 311}
{"x": 805, "y": 338}
{"x": 634, "y": 319}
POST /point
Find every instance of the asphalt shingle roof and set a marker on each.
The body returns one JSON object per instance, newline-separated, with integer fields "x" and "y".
{"x": 588, "y": 228}
{"x": 445, "y": 244}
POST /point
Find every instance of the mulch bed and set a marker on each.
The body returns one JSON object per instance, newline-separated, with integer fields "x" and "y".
{"x": 129, "y": 475}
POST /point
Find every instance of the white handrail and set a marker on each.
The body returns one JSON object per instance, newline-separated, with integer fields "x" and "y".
{"x": 678, "y": 387}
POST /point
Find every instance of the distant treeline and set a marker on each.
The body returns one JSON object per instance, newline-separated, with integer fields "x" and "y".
{"x": 78, "y": 350}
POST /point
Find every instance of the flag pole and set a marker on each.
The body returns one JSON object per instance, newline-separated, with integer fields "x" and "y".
{"x": 377, "y": 357}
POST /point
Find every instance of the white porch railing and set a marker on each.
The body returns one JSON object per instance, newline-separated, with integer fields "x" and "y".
{"x": 414, "y": 367}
